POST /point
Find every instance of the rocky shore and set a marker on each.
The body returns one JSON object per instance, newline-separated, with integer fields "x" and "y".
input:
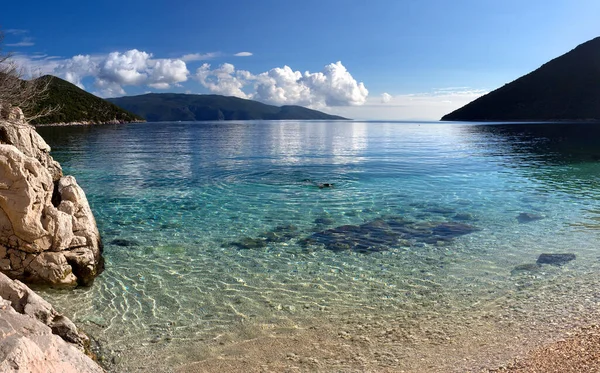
{"x": 48, "y": 236}
{"x": 87, "y": 123}
{"x": 34, "y": 337}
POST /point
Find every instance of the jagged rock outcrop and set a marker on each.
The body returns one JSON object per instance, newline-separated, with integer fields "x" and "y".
{"x": 48, "y": 233}
{"x": 34, "y": 337}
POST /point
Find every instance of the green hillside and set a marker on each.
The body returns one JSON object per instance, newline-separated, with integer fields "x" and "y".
{"x": 156, "y": 107}
{"x": 566, "y": 88}
{"x": 76, "y": 105}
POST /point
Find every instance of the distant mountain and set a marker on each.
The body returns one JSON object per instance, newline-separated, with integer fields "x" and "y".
{"x": 77, "y": 106}
{"x": 156, "y": 107}
{"x": 564, "y": 89}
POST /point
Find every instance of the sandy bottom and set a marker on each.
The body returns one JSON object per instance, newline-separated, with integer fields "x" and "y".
{"x": 545, "y": 329}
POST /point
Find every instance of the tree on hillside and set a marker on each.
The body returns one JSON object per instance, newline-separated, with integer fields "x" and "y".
{"x": 18, "y": 92}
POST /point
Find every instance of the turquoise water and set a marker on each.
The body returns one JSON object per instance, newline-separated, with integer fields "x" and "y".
{"x": 209, "y": 226}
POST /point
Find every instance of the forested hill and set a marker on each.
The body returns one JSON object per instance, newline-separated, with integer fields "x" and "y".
{"x": 77, "y": 106}
{"x": 565, "y": 89}
{"x": 155, "y": 107}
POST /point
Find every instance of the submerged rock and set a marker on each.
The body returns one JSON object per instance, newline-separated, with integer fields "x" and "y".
{"x": 528, "y": 267}
{"x": 34, "y": 337}
{"x": 463, "y": 216}
{"x": 48, "y": 233}
{"x": 555, "y": 259}
{"x": 124, "y": 242}
{"x": 250, "y": 243}
{"x": 324, "y": 220}
{"x": 381, "y": 234}
{"x": 281, "y": 233}
{"x": 527, "y": 217}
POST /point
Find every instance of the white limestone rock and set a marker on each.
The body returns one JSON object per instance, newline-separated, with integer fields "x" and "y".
{"x": 48, "y": 233}
{"x": 36, "y": 338}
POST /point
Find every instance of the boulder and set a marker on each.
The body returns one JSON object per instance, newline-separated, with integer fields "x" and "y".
{"x": 34, "y": 337}
{"x": 48, "y": 233}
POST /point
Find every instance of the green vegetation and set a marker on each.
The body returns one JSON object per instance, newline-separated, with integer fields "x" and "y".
{"x": 564, "y": 89}
{"x": 74, "y": 105}
{"x": 157, "y": 107}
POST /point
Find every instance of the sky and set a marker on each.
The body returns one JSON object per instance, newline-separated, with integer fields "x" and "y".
{"x": 376, "y": 59}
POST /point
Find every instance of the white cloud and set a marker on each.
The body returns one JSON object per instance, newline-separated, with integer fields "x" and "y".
{"x": 77, "y": 68}
{"x": 385, "y": 97}
{"x": 165, "y": 72}
{"x": 106, "y": 88}
{"x": 25, "y": 42}
{"x": 243, "y": 54}
{"x": 224, "y": 80}
{"x": 114, "y": 71}
{"x": 334, "y": 86}
{"x": 129, "y": 68}
{"x": 200, "y": 56}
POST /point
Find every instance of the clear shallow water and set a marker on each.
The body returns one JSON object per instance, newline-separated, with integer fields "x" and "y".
{"x": 196, "y": 220}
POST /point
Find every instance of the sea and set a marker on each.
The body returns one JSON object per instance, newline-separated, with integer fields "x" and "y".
{"x": 224, "y": 234}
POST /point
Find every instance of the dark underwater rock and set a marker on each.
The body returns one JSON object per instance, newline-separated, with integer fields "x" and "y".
{"x": 555, "y": 259}
{"x": 453, "y": 229}
{"x": 282, "y": 233}
{"x": 124, "y": 242}
{"x": 463, "y": 216}
{"x": 381, "y": 234}
{"x": 527, "y": 217}
{"x": 325, "y": 185}
{"x": 325, "y": 220}
{"x": 247, "y": 243}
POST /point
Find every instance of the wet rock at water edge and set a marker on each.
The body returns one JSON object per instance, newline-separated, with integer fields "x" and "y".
{"x": 525, "y": 268}
{"x": 528, "y": 217}
{"x": 555, "y": 259}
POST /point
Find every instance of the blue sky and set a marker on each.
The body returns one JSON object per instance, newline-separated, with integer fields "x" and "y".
{"x": 415, "y": 59}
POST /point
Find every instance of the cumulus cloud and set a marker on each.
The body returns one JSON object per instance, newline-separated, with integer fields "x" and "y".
{"x": 333, "y": 86}
{"x": 114, "y": 71}
{"x": 76, "y": 68}
{"x": 243, "y": 54}
{"x": 224, "y": 80}
{"x": 386, "y": 97}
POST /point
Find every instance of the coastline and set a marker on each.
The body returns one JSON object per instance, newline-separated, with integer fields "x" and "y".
{"x": 87, "y": 123}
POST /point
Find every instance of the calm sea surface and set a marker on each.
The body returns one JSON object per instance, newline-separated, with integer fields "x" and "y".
{"x": 209, "y": 226}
